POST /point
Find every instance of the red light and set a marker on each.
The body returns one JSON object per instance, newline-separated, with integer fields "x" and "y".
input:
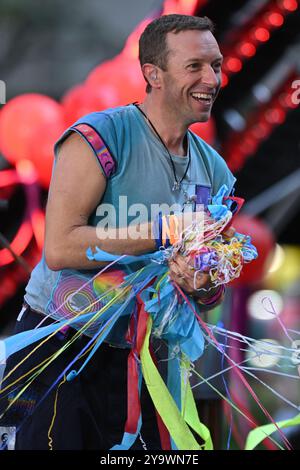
{"x": 233, "y": 64}
{"x": 247, "y": 49}
{"x": 289, "y": 5}
{"x": 224, "y": 79}
{"x": 262, "y": 34}
{"x": 288, "y": 100}
{"x": 261, "y": 130}
{"x": 250, "y": 144}
{"x": 275, "y": 116}
{"x": 275, "y": 19}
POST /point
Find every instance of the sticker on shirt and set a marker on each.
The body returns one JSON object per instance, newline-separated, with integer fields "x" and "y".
{"x": 76, "y": 294}
{"x": 195, "y": 195}
{"x": 7, "y": 437}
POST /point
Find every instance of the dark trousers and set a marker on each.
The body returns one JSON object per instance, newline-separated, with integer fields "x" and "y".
{"x": 91, "y": 409}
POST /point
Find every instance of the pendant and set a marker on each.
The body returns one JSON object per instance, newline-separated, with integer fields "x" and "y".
{"x": 176, "y": 186}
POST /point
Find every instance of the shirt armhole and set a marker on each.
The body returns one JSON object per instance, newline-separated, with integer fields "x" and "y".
{"x": 104, "y": 157}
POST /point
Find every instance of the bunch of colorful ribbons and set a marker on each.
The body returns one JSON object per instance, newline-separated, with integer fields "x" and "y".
{"x": 155, "y": 307}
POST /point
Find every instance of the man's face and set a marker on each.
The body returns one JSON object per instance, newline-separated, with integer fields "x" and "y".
{"x": 193, "y": 76}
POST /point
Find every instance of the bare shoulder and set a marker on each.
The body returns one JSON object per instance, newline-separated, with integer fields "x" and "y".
{"x": 77, "y": 184}
{"x": 76, "y": 164}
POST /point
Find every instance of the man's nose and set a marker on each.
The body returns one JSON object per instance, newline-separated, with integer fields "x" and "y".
{"x": 209, "y": 77}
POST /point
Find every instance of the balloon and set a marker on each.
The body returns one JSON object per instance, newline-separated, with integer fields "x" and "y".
{"x": 205, "y": 130}
{"x": 124, "y": 74}
{"x": 29, "y": 126}
{"x": 263, "y": 239}
{"x": 84, "y": 99}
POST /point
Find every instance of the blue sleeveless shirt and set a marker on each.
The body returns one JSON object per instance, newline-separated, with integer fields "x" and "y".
{"x": 139, "y": 181}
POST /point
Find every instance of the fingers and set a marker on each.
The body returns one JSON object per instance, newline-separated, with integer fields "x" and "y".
{"x": 182, "y": 272}
{"x": 178, "y": 276}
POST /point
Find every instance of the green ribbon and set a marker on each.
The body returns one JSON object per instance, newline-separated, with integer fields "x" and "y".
{"x": 257, "y": 435}
{"x": 189, "y": 409}
{"x": 166, "y": 407}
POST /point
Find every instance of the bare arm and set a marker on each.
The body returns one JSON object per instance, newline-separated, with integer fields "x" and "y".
{"x": 76, "y": 188}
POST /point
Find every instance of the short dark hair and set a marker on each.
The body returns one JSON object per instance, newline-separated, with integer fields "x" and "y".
{"x": 152, "y": 43}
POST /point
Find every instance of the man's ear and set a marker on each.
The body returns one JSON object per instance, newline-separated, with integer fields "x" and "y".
{"x": 152, "y": 75}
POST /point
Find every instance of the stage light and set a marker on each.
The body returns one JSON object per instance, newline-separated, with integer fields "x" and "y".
{"x": 233, "y": 64}
{"x": 289, "y": 5}
{"x": 260, "y": 131}
{"x": 286, "y": 101}
{"x": 264, "y": 353}
{"x": 224, "y": 79}
{"x": 261, "y": 34}
{"x": 265, "y": 304}
{"x": 274, "y": 19}
{"x": 278, "y": 259}
{"x": 247, "y": 49}
{"x": 275, "y": 115}
{"x": 250, "y": 144}
{"x": 262, "y": 93}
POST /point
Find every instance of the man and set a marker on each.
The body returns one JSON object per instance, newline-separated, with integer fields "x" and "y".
{"x": 145, "y": 154}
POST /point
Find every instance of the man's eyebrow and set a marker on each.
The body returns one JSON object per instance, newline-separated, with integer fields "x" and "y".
{"x": 196, "y": 59}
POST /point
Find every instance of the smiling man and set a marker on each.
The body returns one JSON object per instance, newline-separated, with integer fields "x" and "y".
{"x": 183, "y": 71}
{"x": 125, "y": 158}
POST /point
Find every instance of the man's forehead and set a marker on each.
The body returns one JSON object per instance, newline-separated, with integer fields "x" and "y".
{"x": 195, "y": 43}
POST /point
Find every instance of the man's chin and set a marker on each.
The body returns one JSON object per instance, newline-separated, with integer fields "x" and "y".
{"x": 202, "y": 117}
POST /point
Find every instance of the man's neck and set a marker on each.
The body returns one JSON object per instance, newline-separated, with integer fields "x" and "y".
{"x": 168, "y": 127}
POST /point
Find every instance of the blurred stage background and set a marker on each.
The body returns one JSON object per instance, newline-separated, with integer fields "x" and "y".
{"x": 62, "y": 59}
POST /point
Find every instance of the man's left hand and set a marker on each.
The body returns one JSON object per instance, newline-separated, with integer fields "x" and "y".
{"x": 182, "y": 272}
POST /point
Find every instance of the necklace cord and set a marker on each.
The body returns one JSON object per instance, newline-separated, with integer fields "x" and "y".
{"x": 177, "y": 183}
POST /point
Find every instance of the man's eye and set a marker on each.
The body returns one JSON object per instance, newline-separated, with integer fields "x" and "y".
{"x": 194, "y": 66}
{"x": 217, "y": 67}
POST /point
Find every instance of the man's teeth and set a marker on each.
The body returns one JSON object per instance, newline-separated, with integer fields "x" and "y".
{"x": 202, "y": 96}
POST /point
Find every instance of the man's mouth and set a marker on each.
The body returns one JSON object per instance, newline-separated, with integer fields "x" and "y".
{"x": 206, "y": 98}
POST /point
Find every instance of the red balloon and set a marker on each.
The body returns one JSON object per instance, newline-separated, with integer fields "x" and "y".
{"x": 124, "y": 74}
{"x": 84, "y": 99}
{"x": 29, "y": 126}
{"x": 263, "y": 239}
{"x": 205, "y": 130}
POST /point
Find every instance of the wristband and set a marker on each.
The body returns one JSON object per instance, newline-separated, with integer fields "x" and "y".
{"x": 174, "y": 234}
{"x": 157, "y": 231}
{"x": 165, "y": 232}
